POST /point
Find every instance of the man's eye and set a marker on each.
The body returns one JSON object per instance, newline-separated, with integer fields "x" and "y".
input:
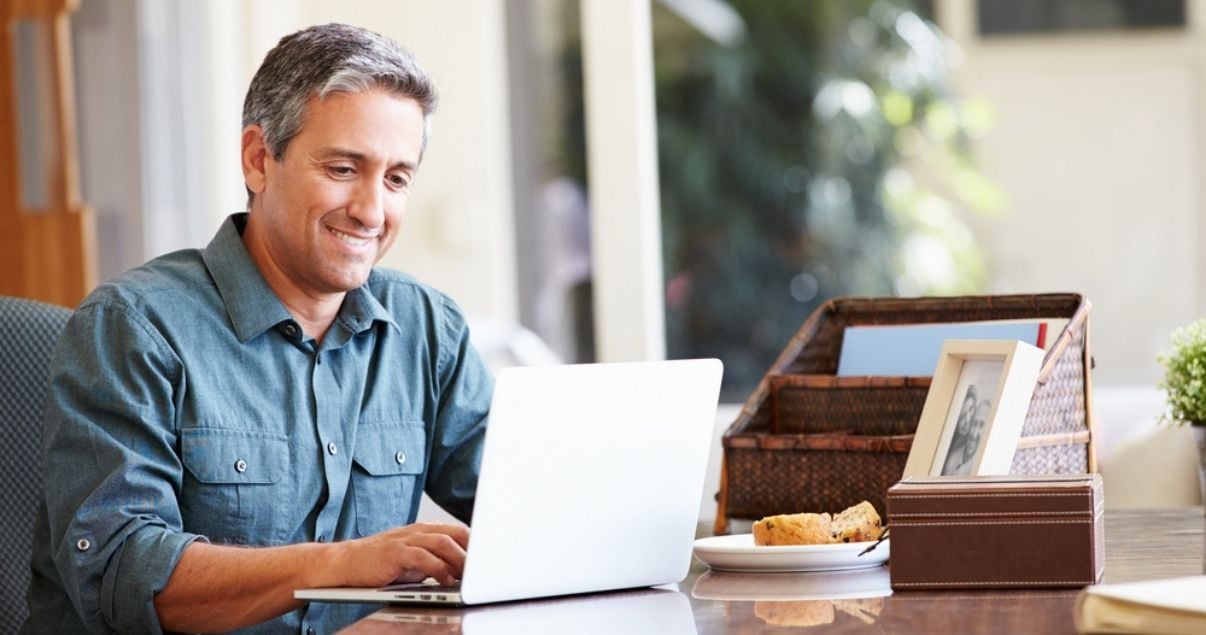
{"x": 396, "y": 181}
{"x": 340, "y": 170}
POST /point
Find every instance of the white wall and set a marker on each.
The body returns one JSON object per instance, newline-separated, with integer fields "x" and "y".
{"x": 1098, "y": 147}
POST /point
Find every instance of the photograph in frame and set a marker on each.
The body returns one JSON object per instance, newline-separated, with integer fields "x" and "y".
{"x": 974, "y": 411}
{"x": 963, "y": 432}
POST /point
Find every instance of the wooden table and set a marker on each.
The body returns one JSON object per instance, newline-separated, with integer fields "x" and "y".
{"x": 1140, "y": 545}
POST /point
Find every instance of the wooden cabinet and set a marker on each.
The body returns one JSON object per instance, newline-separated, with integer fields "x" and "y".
{"x": 47, "y": 236}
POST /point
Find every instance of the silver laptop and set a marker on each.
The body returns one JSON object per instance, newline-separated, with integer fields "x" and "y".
{"x": 591, "y": 481}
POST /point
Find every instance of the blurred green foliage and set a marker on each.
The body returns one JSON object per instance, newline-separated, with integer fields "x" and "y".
{"x": 823, "y": 153}
{"x": 1184, "y": 381}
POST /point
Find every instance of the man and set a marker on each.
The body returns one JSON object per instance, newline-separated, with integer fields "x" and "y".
{"x": 955, "y": 463}
{"x": 230, "y": 424}
{"x": 976, "y": 432}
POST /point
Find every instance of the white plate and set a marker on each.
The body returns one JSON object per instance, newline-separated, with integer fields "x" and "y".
{"x": 739, "y": 553}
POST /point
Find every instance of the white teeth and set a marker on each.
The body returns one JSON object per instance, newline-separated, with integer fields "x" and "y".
{"x": 350, "y": 239}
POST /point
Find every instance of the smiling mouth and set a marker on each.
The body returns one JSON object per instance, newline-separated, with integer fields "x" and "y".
{"x": 354, "y": 241}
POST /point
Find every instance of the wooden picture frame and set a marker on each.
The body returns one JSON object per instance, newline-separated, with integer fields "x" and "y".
{"x": 974, "y": 411}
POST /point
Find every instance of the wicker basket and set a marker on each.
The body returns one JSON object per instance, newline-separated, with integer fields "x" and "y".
{"x": 808, "y": 440}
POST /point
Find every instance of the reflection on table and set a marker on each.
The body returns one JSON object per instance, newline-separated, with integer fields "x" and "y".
{"x": 658, "y": 610}
{"x": 800, "y": 599}
{"x": 1140, "y": 545}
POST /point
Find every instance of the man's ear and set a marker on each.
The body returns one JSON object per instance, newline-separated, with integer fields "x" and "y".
{"x": 255, "y": 156}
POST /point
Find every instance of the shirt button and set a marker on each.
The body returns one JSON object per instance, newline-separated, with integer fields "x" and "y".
{"x": 332, "y": 448}
{"x": 400, "y": 457}
{"x": 240, "y": 466}
{"x": 290, "y": 330}
{"x": 310, "y": 631}
{"x": 83, "y": 544}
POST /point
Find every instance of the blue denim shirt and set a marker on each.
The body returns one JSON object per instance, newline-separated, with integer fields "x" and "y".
{"x": 186, "y": 404}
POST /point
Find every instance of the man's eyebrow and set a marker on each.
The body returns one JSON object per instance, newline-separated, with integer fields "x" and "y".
{"x": 340, "y": 153}
{"x": 334, "y": 152}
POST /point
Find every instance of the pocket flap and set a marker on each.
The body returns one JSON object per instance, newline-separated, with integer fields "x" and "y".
{"x": 388, "y": 449}
{"x": 219, "y": 455}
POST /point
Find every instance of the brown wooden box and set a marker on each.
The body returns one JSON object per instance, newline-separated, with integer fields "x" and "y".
{"x": 952, "y": 532}
{"x": 807, "y": 440}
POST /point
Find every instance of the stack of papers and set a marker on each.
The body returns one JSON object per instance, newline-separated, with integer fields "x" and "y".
{"x": 1176, "y": 606}
{"x": 913, "y": 349}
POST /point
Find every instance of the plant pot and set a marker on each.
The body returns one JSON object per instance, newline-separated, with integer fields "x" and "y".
{"x": 1199, "y": 432}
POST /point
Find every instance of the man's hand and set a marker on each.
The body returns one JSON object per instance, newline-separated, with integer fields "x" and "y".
{"x": 405, "y": 554}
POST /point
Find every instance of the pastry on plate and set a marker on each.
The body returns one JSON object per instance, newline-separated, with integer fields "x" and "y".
{"x": 793, "y": 529}
{"x": 859, "y": 523}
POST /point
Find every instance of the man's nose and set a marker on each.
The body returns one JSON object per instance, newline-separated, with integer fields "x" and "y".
{"x": 368, "y": 207}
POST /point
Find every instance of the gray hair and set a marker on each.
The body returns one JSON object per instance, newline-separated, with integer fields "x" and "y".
{"x": 325, "y": 60}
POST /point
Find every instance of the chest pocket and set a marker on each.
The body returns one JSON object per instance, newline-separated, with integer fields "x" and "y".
{"x": 388, "y": 462}
{"x": 238, "y": 492}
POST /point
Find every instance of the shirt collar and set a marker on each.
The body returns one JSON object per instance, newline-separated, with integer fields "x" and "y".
{"x": 361, "y": 308}
{"x": 252, "y": 305}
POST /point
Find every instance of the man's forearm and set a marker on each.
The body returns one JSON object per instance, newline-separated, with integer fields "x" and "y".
{"x": 218, "y": 588}
{"x": 222, "y": 588}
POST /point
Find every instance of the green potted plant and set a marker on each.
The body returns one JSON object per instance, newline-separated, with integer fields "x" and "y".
{"x": 1184, "y": 384}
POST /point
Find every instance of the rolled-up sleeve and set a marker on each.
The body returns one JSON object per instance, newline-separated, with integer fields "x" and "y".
{"x": 112, "y": 475}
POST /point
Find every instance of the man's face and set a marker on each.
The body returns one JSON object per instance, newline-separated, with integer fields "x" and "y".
{"x": 978, "y": 419}
{"x": 331, "y": 207}
{"x": 965, "y": 413}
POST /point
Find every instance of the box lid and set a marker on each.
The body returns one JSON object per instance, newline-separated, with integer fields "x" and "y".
{"x": 979, "y": 496}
